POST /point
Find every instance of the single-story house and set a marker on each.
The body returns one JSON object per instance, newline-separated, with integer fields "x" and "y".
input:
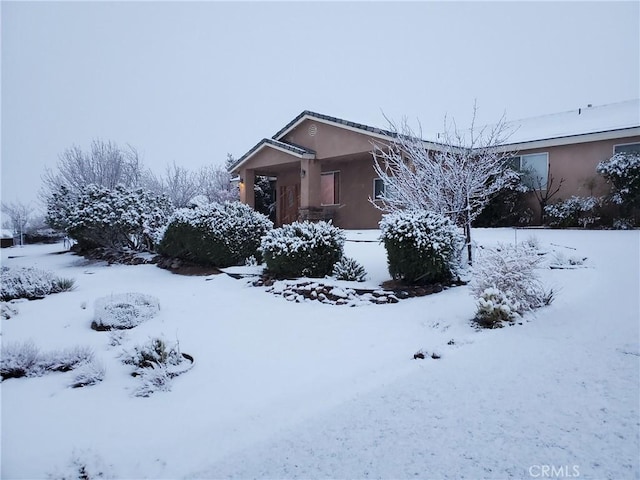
{"x": 324, "y": 165}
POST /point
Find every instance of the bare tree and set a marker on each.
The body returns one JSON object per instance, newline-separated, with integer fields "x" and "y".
{"x": 178, "y": 183}
{"x": 106, "y": 164}
{"x": 215, "y": 183}
{"x": 544, "y": 192}
{"x": 19, "y": 214}
{"x": 456, "y": 178}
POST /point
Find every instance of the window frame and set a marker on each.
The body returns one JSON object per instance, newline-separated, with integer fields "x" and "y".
{"x": 519, "y": 168}
{"x": 378, "y": 197}
{"x": 624, "y": 145}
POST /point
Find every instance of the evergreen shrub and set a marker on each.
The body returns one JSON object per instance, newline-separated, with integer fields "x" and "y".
{"x": 216, "y": 234}
{"x": 303, "y": 249}
{"x": 422, "y": 247}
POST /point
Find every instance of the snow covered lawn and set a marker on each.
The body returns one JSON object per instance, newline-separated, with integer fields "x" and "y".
{"x": 305, "y": 390}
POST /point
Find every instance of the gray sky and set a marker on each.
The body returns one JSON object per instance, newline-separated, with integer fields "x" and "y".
{"x": 189, "y": 82}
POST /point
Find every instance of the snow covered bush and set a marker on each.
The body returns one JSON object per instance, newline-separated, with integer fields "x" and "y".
{"x": 573, "y": 212}
{"x": 506, "y": 284}
{"x": 88, "y": 374}
{"x": 83, "y": 465}
{"x": 119, "y": 218}
{"x": 422, "y": 246}
{"x": 19, "y": 360}
{"x": 156, "y": 363}
{"x": 26, "y": 360}
{"x": 622, "y": 171}
{"x": 309, "y": 249}
{"x": 31, "y": 283}
{"x": 218, "y": 234}
{"x": 127, "y": 310}
{"x": 350, "y": 270}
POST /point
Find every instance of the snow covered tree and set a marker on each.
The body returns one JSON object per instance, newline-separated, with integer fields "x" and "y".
{"x": 106, "y": 164}
{"x": 118, "y": 218}
{"x": 456, "y": 178}
{"x": 19, "y": 215}
{"x": 215, "y": 183}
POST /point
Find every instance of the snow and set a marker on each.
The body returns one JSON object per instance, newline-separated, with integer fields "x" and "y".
{"x": 305, "y": 390}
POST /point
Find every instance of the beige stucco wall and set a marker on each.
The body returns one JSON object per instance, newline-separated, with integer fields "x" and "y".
{"x": 577, "y": 163}
{"x": 356, "y": 186}
{"x": 329, "y": 141}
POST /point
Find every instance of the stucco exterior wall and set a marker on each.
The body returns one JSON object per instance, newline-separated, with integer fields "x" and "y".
{"x": 577, "y": 163}
{"x": 329, "y": 141}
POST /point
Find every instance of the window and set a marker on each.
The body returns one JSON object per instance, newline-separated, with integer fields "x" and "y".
{"x": 535, "y": 169}
{"x": 330, "y": 188}
{"x": 378, "y": 188}
{"x": 627, "y": 148}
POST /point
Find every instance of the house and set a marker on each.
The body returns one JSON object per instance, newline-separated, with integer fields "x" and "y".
{"x": 323, "y": 165}
{"x": 6, "y": 238}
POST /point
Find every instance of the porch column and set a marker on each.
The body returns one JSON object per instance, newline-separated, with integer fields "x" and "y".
{"x": 310, "y": 197}
{"x": 309, "y": 183}
{"x": 247, "y": 192}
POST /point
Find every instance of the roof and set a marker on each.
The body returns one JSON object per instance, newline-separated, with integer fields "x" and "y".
{"x": 319, "y": 116}
{"x": 287, "y": 147}
{"x": 582, "y": 121}
{"x": 5, "y": 233}
{"x": 555, "y": 128}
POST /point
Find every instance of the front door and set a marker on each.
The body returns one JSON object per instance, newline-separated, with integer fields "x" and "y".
{"x": 288, "y": 203}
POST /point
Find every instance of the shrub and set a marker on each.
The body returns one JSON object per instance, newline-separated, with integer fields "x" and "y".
{"x": 573, "y": 212}
{"x": 19, "y": 360}
{"x": 88, "y": 374}
{"x": 118, "y": 218}
{"x": 350, "y": 270}
{"x": 303, "y": 249}
{"x": 156, "y": 363}
{"x": 26, "y": 360}
{"x": 216, "y": 234}
{"x": 128, "y": 310}
{"x": 422, "y": 247}
{"x": 506, "y": 285}
{"x": 622, "y": 171}
{"x": 31, "y": 283}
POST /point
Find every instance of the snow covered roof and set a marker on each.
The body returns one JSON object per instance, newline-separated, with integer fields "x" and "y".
{"x": 5, "y": 233}
{"x": 621, "y": 119}
{"x": 582, "y": 121}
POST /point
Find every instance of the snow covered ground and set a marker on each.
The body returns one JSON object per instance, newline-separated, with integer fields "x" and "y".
{"x": 306, "y": 390}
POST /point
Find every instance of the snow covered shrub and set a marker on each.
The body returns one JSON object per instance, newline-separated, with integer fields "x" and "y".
{"x": 26, "y": 360}
{"x": 7, "y": 310}
{"x": 153, "y": 380}
{"x": 19, "y": 359}
{"x": 152, "y": 354}
{"x": 118, "y": 218}
{"x": 66, "y": 359}
{"x": 350, "y": 270}
{"x": 88, "y": 374}
{"x": 495, "y": 306}
{"x": 422, "y": 247}
{"x": 303, "y": 249}
{"x": 127, "y": 310}
{"x": 573, "y": 212}
{"x": 622, "y": 171}
{"x": 84, "y": 465}
{"x": 156, "y": 363}
{"x": 215, "y": 234}
{"x": 506, "y": 284}
{"x": 31, "y": 283}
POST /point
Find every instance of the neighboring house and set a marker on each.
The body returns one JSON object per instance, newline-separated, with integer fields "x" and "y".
{"x": 324, "y": 167}
{"x": 6, "y": 238}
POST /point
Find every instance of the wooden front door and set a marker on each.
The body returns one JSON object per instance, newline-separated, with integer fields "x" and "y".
{"x": 288, "y": 203}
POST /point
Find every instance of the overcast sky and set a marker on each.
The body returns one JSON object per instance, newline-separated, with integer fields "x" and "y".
{"x": 189, "y": 82}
